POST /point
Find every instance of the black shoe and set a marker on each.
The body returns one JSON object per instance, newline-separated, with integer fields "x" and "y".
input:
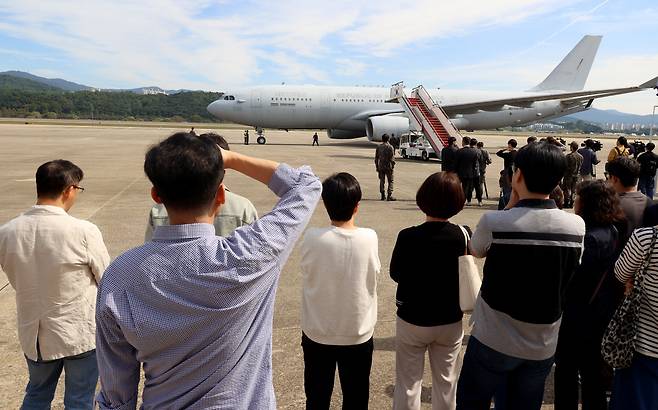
{"x": 390, "y": 198}
{"x": 383, "y": 197}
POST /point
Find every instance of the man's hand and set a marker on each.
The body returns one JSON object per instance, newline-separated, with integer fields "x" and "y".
{"x": 227, "y": 157}
{"x": 256, "y": 168}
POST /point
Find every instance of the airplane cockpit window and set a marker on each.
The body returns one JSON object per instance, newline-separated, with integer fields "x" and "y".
{"x": 229, "y": 98}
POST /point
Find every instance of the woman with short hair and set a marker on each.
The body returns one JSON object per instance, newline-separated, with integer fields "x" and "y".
{"x": 425, "y": 266}
{"x": 590, "y": 301}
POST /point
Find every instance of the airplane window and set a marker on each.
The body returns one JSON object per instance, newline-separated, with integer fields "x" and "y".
{"x": 230, "y": 97}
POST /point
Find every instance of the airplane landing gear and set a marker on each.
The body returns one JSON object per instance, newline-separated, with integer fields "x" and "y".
{"x": 261, "y": 139}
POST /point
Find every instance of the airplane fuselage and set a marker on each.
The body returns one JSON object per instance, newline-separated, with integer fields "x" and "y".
{"x": 349, "y": 108}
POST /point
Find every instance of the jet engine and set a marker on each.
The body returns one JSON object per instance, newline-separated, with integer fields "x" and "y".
{"x": 344, "y": 134}
{"x": 391, "y": 125}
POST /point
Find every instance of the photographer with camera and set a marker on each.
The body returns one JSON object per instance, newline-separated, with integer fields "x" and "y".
{"x": 620, "y": 150}
{"x": 588, "y": 151}
{"x": 648, "y": 166}
{"x": 636, "y": 148}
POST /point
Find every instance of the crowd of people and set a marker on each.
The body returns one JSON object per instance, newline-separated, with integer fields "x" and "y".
{"x": 193, "y": 306}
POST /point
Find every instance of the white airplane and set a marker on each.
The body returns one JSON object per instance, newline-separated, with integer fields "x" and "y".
{"x": 353, "y": 112}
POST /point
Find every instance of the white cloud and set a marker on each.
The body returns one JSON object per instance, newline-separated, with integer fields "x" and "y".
{"x": 391, "y": 24}
{"x": 350, "y": 67}
{"x": 129, "y": 44}
{"x": 291, "y": 70}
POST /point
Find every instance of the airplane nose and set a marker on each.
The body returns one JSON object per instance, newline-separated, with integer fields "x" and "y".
{"x": 214, "y": 108}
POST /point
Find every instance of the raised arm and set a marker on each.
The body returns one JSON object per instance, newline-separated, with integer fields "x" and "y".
{"x": 257, "y": 168}
{"x": 271, "y": 238}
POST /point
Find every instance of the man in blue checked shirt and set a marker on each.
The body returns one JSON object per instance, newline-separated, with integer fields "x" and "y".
{"x": 194, "y": 308}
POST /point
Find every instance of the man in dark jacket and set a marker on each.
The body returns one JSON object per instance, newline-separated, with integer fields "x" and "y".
{"x": 648, "y": 166}
{"x": 484, "y": 161}
{"x": 571, "y": 176}
{"x": 448, "y": 155}
{"x": 467, "y": 166}
{"x": 508, "y": 161}
{"x": 588, "y": 169}
{"x": 624, "y": 173}
{"x": 384, "y": 164}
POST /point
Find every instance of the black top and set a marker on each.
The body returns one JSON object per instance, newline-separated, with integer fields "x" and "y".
{"x": 425, "y": 266}
{"x": 448, "y": 155}
{"x": 648, "y": 164}
{"x": 508, "y": 161}
{"x": 467, "y": 162}
{"x": 594, "y": 293}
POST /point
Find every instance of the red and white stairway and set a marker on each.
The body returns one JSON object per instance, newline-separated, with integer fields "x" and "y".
{"x": 426, "y": 116}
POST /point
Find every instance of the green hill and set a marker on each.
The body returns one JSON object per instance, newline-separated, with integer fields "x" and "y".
{"x": 53, "y": 103}
{"x": 8, "y": 82}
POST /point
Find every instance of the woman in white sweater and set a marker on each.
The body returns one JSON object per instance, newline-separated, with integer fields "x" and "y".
{"x": 340, "y": 264}
{"x": 637, "y": 386}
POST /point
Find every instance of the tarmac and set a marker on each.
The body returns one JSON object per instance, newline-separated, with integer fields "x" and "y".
{"x": 117, "y": 200}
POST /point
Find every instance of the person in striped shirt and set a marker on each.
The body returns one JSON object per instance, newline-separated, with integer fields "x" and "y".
{"x": 637, "y": 386}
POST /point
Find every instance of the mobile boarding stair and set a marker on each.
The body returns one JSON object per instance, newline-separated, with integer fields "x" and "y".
{"x": 426, "y": 116}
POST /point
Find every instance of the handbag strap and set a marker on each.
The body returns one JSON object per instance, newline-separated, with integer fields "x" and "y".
{"x": 466, "y": 239}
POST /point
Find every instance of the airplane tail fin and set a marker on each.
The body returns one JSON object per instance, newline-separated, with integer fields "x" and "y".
{"x": 572, "y": 72}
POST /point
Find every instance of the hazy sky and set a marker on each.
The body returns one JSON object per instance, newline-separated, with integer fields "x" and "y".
{"x": 212, "y": 45}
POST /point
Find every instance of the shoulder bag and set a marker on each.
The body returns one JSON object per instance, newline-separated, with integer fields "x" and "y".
{"x": 469, "y": 278}
{"x": 618, "y": 344}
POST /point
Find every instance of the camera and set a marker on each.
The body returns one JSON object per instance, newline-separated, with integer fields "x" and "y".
{"x": 638, "y": 147}
{"x": 595, "y": 145}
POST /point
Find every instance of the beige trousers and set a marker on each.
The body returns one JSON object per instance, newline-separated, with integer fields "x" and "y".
{"x": 443, "y": 344}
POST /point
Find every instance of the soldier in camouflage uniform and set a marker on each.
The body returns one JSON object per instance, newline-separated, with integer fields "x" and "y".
{"x": 572, "y": 174}
{"x": 384, "y": 164}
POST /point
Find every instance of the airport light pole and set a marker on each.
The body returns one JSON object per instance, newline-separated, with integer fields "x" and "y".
{"x": 652, "y": 122}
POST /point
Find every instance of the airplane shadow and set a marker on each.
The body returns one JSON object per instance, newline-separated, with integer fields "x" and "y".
{"x": 355, "y": 144}
{"x": 350, "y": 156}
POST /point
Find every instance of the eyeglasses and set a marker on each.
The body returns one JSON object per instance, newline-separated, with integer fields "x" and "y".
{"x": 78, "y": 187}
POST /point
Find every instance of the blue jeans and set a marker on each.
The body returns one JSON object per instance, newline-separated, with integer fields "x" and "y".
{"x": 80, "y": 378}
{"x": 516, "y": 383}
{"x": 646, "y": 185}
{"x": 636, "y": 387}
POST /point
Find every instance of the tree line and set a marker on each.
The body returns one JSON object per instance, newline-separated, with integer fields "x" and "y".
{"x": 103, "y": 105}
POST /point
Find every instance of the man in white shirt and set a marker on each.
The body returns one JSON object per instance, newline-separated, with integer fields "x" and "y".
{"x": 234, "y": 213}
{"x": 54, "y": 262}
{"x": 339, "y": 266}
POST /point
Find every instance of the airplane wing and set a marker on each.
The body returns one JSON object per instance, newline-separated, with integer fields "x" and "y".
{"x": 568, "y": 98}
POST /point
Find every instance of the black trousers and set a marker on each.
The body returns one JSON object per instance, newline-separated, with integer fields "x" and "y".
{"x": 579, "y": 359}
{"x": 469, "y": 184}
{"x": 354, "y": 363}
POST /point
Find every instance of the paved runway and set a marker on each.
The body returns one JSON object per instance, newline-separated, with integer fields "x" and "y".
{"x": 116, "y": 198}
